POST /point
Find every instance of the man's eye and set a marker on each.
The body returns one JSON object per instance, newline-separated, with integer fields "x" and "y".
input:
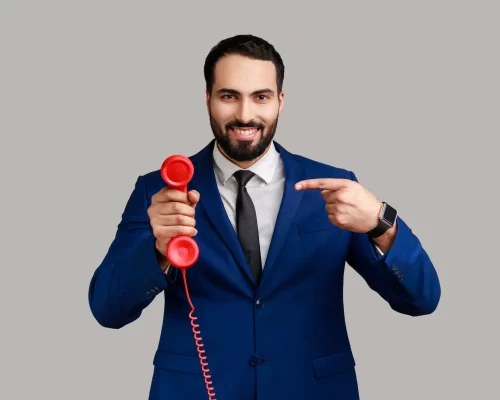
{"x": 263, "y": 97}
{"x": 226, "y": 96}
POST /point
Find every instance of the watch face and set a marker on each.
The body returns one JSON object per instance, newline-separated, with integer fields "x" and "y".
{"x": 389, "y": 215}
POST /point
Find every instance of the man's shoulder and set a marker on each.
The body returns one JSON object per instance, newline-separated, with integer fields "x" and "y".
{"x": 151, "y": 175}
{"x": 151, "y": 182}
{"x": 319, "y": 169}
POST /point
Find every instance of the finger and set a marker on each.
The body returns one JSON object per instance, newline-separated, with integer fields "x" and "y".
{"x": 171, "y": 208}
{"x": 178, "y": 230}
{"x": 331, "y": 208}
{"x": 193, "y": 197}
{"x": 170, "y": 194}
{"x": 174, "y": 220}
{"x": 330, "y": 196}
{"x": 167, "y": 232}
{"x": 322, "y": 183}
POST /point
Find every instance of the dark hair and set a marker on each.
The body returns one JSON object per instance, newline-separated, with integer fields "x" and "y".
{"x": 247, "y": 45}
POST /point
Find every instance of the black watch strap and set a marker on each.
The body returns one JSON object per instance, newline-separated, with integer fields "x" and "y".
{"x": 386, "y": 221}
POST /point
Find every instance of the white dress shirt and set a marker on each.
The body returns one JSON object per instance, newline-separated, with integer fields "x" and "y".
{"x": 265, "y": 189}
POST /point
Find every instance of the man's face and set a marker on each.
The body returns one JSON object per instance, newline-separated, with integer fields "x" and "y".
{"x": 244, "y": 106}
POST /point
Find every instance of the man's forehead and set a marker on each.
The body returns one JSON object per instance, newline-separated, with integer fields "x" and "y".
{"x": 244, "y": 74}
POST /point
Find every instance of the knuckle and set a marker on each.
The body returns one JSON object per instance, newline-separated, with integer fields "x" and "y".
{"x": 341, "y": 219}
{"x": 177, "y": 207}
{"x": 157, "y": 232}
{"x": 152, "y": 210}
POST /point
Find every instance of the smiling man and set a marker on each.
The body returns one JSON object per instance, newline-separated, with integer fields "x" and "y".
{"x": 244, "y": 104}
{"x": 275, "y": 231}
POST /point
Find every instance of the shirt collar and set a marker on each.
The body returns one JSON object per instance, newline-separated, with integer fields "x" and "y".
{"x": 264, "y": 168}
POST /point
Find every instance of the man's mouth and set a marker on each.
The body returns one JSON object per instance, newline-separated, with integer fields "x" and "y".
{"x": 245, "y": 133}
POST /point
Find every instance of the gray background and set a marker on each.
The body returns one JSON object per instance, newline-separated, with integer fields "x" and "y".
{"x": 94, "y": 93}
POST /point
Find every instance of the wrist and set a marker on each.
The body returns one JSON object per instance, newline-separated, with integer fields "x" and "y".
{"x": 385, "y": 220}
{"x": 162, "y": 260}
{"x": 385, "y": 241}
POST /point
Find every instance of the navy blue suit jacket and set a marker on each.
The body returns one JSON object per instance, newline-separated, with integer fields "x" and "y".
{"x": 283, "y": 339}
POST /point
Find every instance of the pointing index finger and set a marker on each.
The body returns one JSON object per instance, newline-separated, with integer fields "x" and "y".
{"x": 322, "y": 183}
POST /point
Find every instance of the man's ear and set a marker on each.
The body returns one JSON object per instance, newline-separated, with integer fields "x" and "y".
{"x": 281, "y": 100}
{"x": 207, "y": 100}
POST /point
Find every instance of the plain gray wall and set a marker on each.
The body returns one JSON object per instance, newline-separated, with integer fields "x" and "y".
{"x": 94, "y": 93}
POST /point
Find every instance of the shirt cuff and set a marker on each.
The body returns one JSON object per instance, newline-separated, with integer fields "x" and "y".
{"x": 167, "y": 270}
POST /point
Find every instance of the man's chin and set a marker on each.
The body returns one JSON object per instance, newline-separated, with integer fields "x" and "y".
{"x": 241, "y": 150}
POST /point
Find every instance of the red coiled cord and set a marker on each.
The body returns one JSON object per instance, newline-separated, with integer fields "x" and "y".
{"x": 199, "y": 345}
{"x": 182, "y": 251}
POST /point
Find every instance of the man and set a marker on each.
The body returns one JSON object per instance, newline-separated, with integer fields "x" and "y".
{"x": 275, "y": 231}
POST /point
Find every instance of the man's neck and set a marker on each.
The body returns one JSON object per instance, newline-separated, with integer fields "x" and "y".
{"x": 244, "y": 164}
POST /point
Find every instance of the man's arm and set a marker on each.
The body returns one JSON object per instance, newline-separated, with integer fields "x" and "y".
{"x": 404, "y": 275}
{"x": 130, "y": 276}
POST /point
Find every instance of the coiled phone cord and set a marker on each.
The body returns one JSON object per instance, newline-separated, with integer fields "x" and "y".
{"x": 182, "y": 251}
{"x": 199, "y": 345}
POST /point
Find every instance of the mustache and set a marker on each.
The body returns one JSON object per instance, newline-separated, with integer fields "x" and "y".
{"x": 252, "y": 124}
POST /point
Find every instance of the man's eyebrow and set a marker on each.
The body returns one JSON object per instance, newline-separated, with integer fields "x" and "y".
{"x": 233, "y": 91}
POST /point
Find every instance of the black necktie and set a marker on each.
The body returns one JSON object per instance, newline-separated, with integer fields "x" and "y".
{"x": 246, "y": 223}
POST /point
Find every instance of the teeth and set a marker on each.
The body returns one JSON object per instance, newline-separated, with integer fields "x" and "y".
{"x": 246, "y": 131}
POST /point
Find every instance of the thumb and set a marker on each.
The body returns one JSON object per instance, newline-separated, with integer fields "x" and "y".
{"x": 193, "y": 197}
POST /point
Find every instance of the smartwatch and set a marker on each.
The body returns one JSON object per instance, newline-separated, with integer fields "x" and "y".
{"x": 386, "y": 220}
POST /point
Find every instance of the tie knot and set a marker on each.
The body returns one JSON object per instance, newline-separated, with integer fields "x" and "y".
{"x": 243, "y": 176}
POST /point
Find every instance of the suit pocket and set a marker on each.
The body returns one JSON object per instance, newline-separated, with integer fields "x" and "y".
{"x": 333, "y": 364}
{"x": 178, "y": 362}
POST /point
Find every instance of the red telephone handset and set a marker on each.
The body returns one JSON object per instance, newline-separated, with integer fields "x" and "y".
{"x": 182, "y": 251}
{"x": 177, "y": 171}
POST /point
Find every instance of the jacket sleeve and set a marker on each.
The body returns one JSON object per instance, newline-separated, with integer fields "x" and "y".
{"x": 404, "y": 276}
{"x": 129, "y": 277}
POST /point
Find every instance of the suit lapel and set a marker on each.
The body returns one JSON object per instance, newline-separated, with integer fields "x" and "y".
{"x": 288, "y": 209}
{"x": 204, "y": 181}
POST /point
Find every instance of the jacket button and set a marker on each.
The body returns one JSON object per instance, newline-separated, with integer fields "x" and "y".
{"x": 254, "y": 360}
{"x": 259, "y": 303}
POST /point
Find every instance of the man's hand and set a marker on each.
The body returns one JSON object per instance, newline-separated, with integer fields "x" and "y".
{"x": 349, "y": 205}
{"x": 172, "y": 213}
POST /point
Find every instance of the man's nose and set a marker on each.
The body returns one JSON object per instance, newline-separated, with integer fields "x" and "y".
{"x": 245, "y": 112}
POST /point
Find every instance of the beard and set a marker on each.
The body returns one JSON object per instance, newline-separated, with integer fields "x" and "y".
{"x": 243, "y": 150}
